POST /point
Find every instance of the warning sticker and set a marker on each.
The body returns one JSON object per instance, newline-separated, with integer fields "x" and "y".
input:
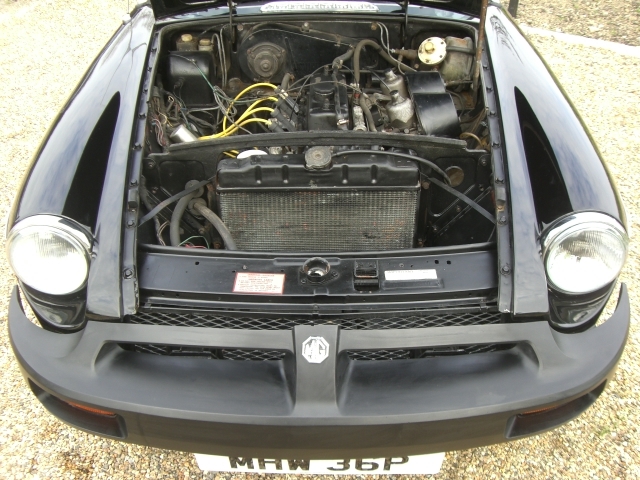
{"x": 400, "y": 275}
{"x": 265, "y": 283}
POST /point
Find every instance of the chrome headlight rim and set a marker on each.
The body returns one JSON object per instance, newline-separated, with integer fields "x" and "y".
{"x": 571, "y": 223}
{"x": 70, "y": 230}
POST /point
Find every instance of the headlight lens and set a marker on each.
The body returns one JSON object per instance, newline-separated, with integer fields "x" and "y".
{"x": 584, "y": 252}
{"x": 49, "y": 254}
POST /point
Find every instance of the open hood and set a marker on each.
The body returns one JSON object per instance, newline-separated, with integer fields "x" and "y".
{"x": 163, "y": 8}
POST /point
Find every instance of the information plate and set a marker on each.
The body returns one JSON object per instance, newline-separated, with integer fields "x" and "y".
{"x": 261, "y": 283}
{"x": 400, "y": 275}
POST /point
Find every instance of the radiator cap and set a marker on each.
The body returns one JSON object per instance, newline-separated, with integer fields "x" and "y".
{"x": 317, "y": 158}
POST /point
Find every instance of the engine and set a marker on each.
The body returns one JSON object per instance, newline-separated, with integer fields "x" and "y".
{"x": 298, "y": 126}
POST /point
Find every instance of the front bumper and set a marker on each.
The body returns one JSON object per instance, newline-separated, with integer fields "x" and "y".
{"x": 337, "y": 409}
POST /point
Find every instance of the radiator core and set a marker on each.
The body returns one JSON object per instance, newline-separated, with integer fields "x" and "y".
{"x": 320, "y": 220}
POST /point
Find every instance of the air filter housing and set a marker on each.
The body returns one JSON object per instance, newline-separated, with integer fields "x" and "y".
{"x": 274, "y": 203}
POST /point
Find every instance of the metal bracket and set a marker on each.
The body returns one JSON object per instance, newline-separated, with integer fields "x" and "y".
{"x": 405, "y": 8}
{"x": 231, "y": 5}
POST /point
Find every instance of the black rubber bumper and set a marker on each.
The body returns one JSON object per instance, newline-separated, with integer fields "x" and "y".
{"x": 337, "y": 409}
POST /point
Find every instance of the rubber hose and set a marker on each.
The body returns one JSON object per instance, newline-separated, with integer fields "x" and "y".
{"x": 285, "y": 82}
{"x": 339, "y": 61}
{"x": 367, "y": 113}
{"x": 380, "y": 50}
{"x": 218, "y": 224}
{"x": 176, "y": 217}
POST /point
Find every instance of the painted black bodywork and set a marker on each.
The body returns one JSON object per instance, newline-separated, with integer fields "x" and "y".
{"x": 338, "y": 409}
{"x": 108, "y": 112}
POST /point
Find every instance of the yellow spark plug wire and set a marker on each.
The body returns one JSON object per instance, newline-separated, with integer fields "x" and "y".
{"x": 249, "y": 88}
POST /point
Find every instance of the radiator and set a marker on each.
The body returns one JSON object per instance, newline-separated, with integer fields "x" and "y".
{"x": 310, "y": 212}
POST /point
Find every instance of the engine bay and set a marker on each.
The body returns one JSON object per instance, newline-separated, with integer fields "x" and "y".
{"x": 323, "y": 136}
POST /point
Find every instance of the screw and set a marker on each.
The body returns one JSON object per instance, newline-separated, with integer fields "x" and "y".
{"x": 401, "y": 265}
{"x": 506, "y": 269}
{"x": 502, "y": 220}
{"x": 133, "y": 183}
{"x": 303, "y": 281}
{"x": 137, "y": 146}
{"x": 244, "y": 267}
{"x": 240, "y": 28}
{"x": 151, "y": 164}
{"x": 130, "y": 223}
{"x": 458, "y": 208}
{"x": 142, "y": 115}
{"x": 128, "y": 273}
{"x": 489, "y": 89}
{"x": 374, "y": 26}
{"x": 500, "y": 180}
{"x": 483, "y": 162}
{"x": 495, "y": 144}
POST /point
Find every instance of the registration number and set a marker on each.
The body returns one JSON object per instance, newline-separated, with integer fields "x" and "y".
{"x": 414, "y": 465}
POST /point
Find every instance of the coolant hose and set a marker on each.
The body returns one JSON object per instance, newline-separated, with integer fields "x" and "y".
{"x": 176, "y": 217}
{"x": 284, "y": 85}
{"x": 380, "y": 50}
{"x": 339, "y": 61}
{"x": 367, "y": 113}
{"x": 217, "y": 224}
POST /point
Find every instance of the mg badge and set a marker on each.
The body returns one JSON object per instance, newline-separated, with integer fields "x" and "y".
{"x": 315, "y": 349}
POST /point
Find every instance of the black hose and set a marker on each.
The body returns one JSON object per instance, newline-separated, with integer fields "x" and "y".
{"x": 367, "y": 113}
{"x": 170, "y": 200}
{"x": 339, "y": 61}
{"x": 424, "y": 161}
{"x": 218, "y": 224}
{"x": 176, "y": 217}
{"x": 381, "y": 51}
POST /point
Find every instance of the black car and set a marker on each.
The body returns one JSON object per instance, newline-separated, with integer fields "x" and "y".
{"x": 294, "y": 231}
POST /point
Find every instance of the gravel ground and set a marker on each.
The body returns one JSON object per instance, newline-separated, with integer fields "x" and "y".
{"x": 614, "y": 20}
{"x": 603, "y": 443}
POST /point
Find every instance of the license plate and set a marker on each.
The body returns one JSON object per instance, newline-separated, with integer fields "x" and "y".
{"x": 414, "y": 465}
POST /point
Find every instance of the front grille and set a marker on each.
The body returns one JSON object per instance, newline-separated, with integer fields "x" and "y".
{"x": 274, "y": 355}
{"x": 459, "y": 316}
{"x": 322, "y": 221}
{"x": 407, "y": 354}
{"x": 396, "y": 320}
{"x": 205, "y": 352}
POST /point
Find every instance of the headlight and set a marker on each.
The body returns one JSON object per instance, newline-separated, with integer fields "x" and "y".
{"x": 49, "y": 254}
{"x": 584, "y": 252}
